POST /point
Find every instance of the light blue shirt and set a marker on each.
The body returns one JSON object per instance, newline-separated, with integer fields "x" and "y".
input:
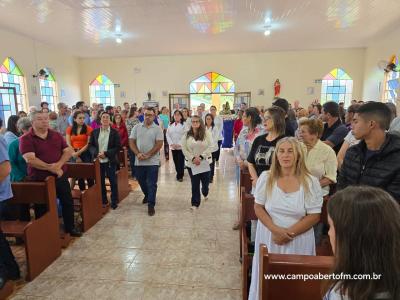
{"x": 5, "y": 185}
{"x": 9, "y": 137}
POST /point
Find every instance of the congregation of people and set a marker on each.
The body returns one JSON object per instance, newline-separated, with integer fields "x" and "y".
{"x": 297, "y": 159}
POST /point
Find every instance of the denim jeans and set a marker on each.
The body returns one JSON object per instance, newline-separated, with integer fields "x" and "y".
{"x": 204, "y": 179}
{"x": 148, "y": 177}
{"x": 108, "y": 170}
{"x": 132, "y": 162}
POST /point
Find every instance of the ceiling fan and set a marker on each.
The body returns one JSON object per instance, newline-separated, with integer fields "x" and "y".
{"x": 389, "y": 66}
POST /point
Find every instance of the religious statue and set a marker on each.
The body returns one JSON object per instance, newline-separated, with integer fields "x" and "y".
{"x": 277, "y": 87}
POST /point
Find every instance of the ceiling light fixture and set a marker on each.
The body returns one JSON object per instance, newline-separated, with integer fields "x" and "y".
{"x": 118, "y": 38}
{"x": 267, "y": 31}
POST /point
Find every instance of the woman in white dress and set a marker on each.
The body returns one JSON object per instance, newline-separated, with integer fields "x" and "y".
{"x": 288, "y": 201}
{"x": 214, "y": 131}
{"x": 364, "y": 226}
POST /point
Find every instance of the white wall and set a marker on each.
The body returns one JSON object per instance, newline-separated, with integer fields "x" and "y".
{"x": 380, "y": 49}
{"x": 65, "y": 67}
{"x": 296, "y": 70}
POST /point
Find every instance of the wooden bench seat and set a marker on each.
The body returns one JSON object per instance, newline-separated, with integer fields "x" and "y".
{"x": 42, "y": 235}
{"x": 276, "y": 289}
{"x": 88, "y": 201}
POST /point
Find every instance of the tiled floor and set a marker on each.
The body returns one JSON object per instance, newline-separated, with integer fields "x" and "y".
{"x": 176, "y": 254}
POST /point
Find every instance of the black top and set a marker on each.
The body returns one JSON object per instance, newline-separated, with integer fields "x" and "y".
{"x": 289, "y": 130}
{"x": 374, "y": 168}
{"x": 335, "y": 134}
{"x": 261, "y": 153}
{"x": 113, "y": 148}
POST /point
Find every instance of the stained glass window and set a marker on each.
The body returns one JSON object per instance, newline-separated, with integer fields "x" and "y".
{"x": 48, "y": 90}
{"x": 337, "y": 86}
{"x": 102, "y": 91}
{"x": 212, "y": 83}
{"x": 12, "y": 76}
{"x": 392, "y": 84}
{"x": 8, "y": 103}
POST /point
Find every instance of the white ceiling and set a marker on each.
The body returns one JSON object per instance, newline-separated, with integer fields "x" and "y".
{"x": 166, "y": 27}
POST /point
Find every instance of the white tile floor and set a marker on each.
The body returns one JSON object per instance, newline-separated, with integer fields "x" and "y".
{"x": 177, "y": 254}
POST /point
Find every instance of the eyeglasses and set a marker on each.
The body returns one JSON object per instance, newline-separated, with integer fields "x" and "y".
{"x": 149, "y": 115}
{"x": 194, "y": 122}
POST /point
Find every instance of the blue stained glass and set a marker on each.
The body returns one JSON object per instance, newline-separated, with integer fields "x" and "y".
{"x": 393, "y": 84}
{"x": 336, "y": 82}
{"x": 7, "y": 107}
{"x": 335, "y": 97}
{"x": 392, "y": 94}
{"x": 343, "y": 89}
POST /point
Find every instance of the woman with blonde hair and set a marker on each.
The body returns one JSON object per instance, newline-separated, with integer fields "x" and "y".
{"x": 288, "y": 203}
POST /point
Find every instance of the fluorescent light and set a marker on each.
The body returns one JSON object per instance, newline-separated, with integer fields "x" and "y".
{"x": 267, "y": 32}
{"x": 118, "y": 40}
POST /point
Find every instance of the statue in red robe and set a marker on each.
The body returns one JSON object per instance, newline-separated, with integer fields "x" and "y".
{"x": 277, "y": 87}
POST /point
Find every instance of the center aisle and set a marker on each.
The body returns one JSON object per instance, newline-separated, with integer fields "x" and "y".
{"x": 177, "y": 254}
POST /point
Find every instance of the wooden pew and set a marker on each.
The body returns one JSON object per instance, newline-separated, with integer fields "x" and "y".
{"x": 247, "y": 214}
{"x": 41, "y": 236}
{"x": 7, "y": 290}
{"x": 124, "y": 188}
{"x": 292, "y": 264}
{"x": 88, "y": 200}
{"x": 245, "y": 181}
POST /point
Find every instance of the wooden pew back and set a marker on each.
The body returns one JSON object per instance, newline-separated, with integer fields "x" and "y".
{"x": 124, "y": 188}
{"x": 247, "y": 214}
{"x": 41, "y": 236}
{"x": 245, "y": 180}
{"x": 90, "y": 199}
{"x": 274, "y": 289}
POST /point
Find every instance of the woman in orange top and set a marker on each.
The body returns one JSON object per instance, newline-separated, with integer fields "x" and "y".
{"x": 77, "y": 137}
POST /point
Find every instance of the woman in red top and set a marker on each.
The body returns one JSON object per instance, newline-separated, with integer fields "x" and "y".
{"x": 119, "y": 125}
{"x": 77, "y": 137}
{"x": 238, "y": 125}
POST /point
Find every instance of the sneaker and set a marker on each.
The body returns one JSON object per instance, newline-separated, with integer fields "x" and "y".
{"x": 75, "y": 233}
{"x": 194, "y": 208}
{"x": 144, "y": 200}
{"x": 217, "y": 164}
{"x": 180, "y": 179}
{"x": 236, "y": 226}
{"x": 205, "y": 198}
{"x": 211, "y": 180}
{"x": 114, "y": 206}
{"x": 151, "y": 211}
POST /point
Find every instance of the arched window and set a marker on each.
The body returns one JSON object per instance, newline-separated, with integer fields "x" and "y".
{"x": 12, "y": 76}
{"x": 102, "y": 91}
{"x": 48, "y": 90}
{"x": 211, "y": 89}
{"x": 212, "y": 83}
{"x": 337, "y": 86}
{"x": 391, "y": 84}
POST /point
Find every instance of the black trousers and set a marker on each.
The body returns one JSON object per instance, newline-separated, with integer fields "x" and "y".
{"x": 63, "y": 191}
{"x": 179, "y": 161}
{"x": 86, "y": 157}
{"x": 166, "y": 145}
{"x": 204, "y": 179}
{"x": 212, "y": 165}
{"x": 8, "y": 266}
{"x": 218, "y": 152}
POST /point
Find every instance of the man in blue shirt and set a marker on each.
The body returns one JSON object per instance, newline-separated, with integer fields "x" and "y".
{"x": 8, "y": 266}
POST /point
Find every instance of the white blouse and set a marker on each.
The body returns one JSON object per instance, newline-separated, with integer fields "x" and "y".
{"x": 174, "y": 135}
{"x": 214, "y": 131}
{"x": 192, "y": 148}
